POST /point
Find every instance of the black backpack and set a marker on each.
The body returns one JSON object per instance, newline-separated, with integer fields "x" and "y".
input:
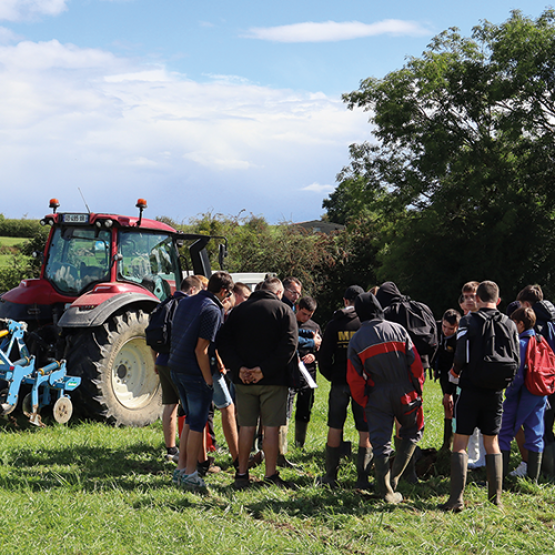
{"x": 419, "y": 321}
{"x": 159, "y": 330}
{"x": 494, "y": 351}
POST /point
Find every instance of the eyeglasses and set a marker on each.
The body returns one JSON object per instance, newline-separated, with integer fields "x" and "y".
{"x": 228, "y": 294}
{"x": 296, "y": 293}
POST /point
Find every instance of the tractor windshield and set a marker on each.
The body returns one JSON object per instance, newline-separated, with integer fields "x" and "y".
{"x": 78, "y": 257}
{"x": 148, "y": 258}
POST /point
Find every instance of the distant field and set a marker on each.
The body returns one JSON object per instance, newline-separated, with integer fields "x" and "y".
{"x": 5, "y": 244}
{"x": 12, "y": 241}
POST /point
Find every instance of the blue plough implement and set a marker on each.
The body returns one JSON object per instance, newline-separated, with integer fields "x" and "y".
{"x": 47, "y": 382}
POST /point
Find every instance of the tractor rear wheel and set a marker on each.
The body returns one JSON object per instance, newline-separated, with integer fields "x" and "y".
{"x": 118, "y": 381}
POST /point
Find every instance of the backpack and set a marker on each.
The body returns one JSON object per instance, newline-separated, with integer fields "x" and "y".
{"x": 539, "y": 378}
{"x": 494, "y": 356}
{"x": 419, "y": 321}
{"x": 159, "y": 330}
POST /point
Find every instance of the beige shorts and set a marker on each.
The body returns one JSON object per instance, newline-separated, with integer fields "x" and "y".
{"x": 269, "y": 402}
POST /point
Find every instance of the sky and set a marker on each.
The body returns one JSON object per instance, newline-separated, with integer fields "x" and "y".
{"x": 218, "y": 107}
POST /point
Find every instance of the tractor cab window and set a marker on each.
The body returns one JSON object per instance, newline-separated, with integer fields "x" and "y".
{"x": 78, "y": 257}
{"x": 149, "y": 259}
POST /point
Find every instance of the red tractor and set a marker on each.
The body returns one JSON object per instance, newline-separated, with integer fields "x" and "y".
{"x": 101, "y": 277}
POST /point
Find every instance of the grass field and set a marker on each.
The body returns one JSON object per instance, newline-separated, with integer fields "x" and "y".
{"x": 88, "y": 488}
{"x": 5, "y": 244}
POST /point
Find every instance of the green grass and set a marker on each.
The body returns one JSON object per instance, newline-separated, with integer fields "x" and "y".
{"x": 88, "y": 488}
{"x": 6, "y": 246}
{"x": 12, "y": 241}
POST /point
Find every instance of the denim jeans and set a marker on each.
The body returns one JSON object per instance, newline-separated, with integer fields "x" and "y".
{"x": 196, "y": 399}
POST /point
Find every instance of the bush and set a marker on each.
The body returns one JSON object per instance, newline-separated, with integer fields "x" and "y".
{"x": 19, "y": 228}
{"x": 326, "y": 264}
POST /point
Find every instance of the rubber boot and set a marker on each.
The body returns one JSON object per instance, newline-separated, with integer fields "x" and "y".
{"x": 494, "y": 473}
{"x": 447, "y": 435}
{"x": 364, "y": 460}
{"x": 383, "y": 481}
{"x": 459, "y": 468}
{"x": 506, "y": 456}
{"x": 404, "y": 463}
{"x": 333, "y": 455}
{"x": 281, "y": 460}
{"x": 534, "y": 466}
{"x": 548, "y": 461}
{"x": 300, "y": 433}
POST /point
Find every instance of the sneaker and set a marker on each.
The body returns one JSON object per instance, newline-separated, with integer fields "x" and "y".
{"x": 276, "y": 480}
{"x": 192, "y": 481}
{"x": 171, "y": 457}
{"x": 520, "y": 471}
{"x": 242, "y": 481}
{"x": 177, "y": 475}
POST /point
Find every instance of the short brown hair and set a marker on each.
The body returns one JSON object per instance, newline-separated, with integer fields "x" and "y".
{"x": 470, "y": 287}
{"x": 191, "y": 282}
{"x": 219, "y": 281}
{"x": 530, "y": 294}
{"x": 525, "y": 315}
{"x": 488, "y": 291}
{"x": 242, "y": 288}
{"x": 307, "y": 303}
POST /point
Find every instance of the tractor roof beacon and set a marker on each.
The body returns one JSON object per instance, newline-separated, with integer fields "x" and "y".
{"x": 101, "y": 277}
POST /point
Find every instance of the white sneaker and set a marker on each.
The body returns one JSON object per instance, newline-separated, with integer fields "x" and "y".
{"x": 520, "y": 470}
{"x": 177, "y": 476}
{"x": 192, "y": 481}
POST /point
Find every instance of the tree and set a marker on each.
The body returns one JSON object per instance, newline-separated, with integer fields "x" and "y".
{"x": 464, "y": 166}
{"x": 326, "y": 264}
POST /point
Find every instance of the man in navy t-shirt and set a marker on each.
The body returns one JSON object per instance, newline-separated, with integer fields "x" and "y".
{"x": 195, "y": 324}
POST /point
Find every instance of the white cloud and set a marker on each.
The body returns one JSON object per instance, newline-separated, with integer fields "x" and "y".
{"x": 17, "y": 10}
{"x": 320, "y": 189}
{"x": 332, "y": 31}
{"x": 7, "y": 35}
{"x": 74, "y": 117}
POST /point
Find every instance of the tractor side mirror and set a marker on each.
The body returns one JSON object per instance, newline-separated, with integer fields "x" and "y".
{"x": 222, "y": 255}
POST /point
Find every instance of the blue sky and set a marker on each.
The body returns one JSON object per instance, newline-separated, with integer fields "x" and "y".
{"x": 198, "y": 107}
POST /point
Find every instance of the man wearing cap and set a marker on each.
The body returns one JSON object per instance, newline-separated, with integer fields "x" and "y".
{"x": 332, "y": 359}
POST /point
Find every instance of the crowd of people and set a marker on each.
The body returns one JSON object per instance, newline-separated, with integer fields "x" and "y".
{"x": 254, "y": 356}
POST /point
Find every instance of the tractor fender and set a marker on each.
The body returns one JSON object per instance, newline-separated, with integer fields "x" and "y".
{"x": 88, "y": 316}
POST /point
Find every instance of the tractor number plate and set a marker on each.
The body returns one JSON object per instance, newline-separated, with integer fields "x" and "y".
{"x": 76, "y": 218}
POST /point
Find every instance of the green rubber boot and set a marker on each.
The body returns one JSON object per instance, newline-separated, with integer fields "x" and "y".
{"x": 459, "y": 468}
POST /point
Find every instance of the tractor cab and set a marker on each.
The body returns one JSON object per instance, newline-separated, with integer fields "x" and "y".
{"x": 89, "y": 249}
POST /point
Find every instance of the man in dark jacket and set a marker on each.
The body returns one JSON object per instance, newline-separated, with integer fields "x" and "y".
{"x": 257, "y": 343}
{"x": 479, "y": 405}
{"x": 309, "y": 343}
{"x": 418, "y": 319}
{"x": 385, "y": 375}
{"x": 332, "y": 360}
